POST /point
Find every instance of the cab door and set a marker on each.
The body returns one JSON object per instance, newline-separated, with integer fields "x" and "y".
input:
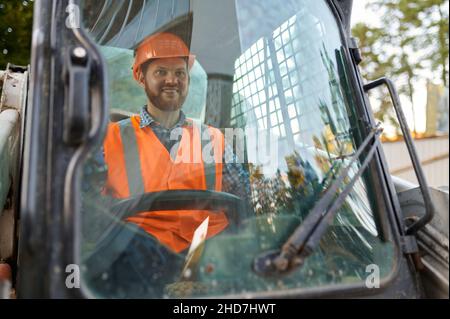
{"x": 66, "y": 118}
{"x": 261, "y": 66}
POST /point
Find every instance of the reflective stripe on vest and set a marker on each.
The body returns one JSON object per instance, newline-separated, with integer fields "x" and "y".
{"x": 138, "y": 162}
{"x": 209, "y": 168}
{"x": 130, "y": 150}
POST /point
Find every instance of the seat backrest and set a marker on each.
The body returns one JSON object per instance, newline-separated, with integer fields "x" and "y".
{"x": 116, "y": 115}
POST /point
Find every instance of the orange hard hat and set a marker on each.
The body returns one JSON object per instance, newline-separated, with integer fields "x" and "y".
{"x": 160, "y": 45}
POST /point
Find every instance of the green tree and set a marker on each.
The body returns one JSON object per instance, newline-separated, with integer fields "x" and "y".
{"x": 423, "y": 27}
{"x": 376, "y": 63}
{"x": 16, "y": 20}
{"x": 415, "y": 33}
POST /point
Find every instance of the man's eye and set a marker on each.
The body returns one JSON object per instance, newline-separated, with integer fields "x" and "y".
{"x": 180, "y": 73}
{"x": 160, "y": 72}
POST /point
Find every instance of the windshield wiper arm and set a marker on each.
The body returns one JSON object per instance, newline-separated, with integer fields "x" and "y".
{"x": 307, "y": 235}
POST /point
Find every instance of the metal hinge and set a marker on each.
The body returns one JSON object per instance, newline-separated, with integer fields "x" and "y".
{"x": 410, "y": 247}
{"x": 354, "y": 50}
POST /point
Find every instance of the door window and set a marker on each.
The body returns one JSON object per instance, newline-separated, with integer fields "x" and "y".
{"x": 273, "y": 80}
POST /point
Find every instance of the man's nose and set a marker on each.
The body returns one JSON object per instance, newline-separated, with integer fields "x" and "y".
{"x": 171, "y": 78}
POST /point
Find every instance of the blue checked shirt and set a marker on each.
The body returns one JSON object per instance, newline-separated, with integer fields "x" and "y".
{"x": 235, "y": 179}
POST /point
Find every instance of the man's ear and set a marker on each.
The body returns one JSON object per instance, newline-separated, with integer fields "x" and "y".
{"x": 141, "y": 79}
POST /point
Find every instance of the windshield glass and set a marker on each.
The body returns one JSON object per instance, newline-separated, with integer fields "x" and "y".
{"x": 228, "y": 122}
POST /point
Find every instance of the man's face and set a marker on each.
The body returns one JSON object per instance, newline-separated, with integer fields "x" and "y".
{"x": 166, "y": 83}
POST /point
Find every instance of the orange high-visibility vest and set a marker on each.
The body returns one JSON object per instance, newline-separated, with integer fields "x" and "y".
{"x": 139, "y": 163}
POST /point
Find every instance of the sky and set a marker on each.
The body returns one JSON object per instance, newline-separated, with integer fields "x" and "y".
{"x": 361, "y": 14}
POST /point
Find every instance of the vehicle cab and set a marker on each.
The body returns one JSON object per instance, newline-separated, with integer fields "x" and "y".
{"x": 322, "y": 217}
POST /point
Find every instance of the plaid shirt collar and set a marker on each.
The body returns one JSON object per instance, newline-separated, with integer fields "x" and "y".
{"x": 148, "y": 120}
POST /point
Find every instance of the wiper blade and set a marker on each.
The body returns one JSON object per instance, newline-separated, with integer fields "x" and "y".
{"x": 308, "y": 234}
